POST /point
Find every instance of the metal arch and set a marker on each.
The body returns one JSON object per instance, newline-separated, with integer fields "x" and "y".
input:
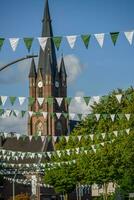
{"x": 18, "y": 60}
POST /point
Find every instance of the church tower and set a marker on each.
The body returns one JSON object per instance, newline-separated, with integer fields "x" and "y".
{"x": 48, "y": 83}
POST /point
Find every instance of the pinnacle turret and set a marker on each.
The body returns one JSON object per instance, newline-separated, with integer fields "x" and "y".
{"x": 32, "y": 73}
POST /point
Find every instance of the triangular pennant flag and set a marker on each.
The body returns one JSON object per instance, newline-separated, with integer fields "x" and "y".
{"x": 7, "y": 113}
{"x": 79, "y": 137}
{"x": 42, "y": 42}
{"x": 30, "y": 113}
{"x": 86, "y": 39}
{"x": 68, "y": 100}
{"x": 103, "y": 135}
{"x": 58, "y": 115}
{"x": 119, "y": 97}
{"x": 55, "y": 139}
{"x": 79, "y": 116}
{"x": 127, "y": 131}
{"x": 129, "y": 36}
{"x": 44, "y": 115}
{"x": 3, "y": 100}
{"x": 17, "y": 112}
{"x": 50, "y": 100}
{"x": 96, "y": 99}
{"x": 71, "y": 40}
{"x": 14, "y": 43}
{"x": 104, "y": 116}
{"x": 102, "y": 144}
{"x": 112, "y": 117}
{"x": 30, "y": 137}
{"x": 100, "y": 38}
{"x": 12, "y": 100}
{"x": 52, "y": 114}
{"x": 121, "y": 116}
{"x": 59, "y": 101}
{"x": 31, "y": 101}
{"x": 67, "y": 138}
{"x": 129, "y": 97}
{"x": 97, "y": 117}
{"x": 71, "y": 116}
{"x": 115, "y": 133}
{"x": 127, "y": 116}
{"x": 28, "y": 43}
{"x": 21, "y": 100}
{"x": 91, "y": 136}
{"x": 57, "y": 41}
{"x": 86, "y": 99}
{"x": 5, "y": 135}
{"x": 40, "y": 100}
{"x": 78, "y": 99}
{"x": 23, "y": 113}
{"x": 1, "y": 42}
{"x": 43, "y": 138}
{"x": 114, "y": 37}
{"x": 65, "y": 115}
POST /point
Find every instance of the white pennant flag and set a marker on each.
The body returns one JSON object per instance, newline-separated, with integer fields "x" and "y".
{"x": 59, "y": 101}
{"x": 21, "y": 100}
{"x": 3, "y": 100}
{"x": 129, "y": 36}
{"x": 17, "y": 136}
{"x": 78, "y": 99}
{"x": 30, "y": 113}
{"x": 102, "y": 144}
{"x": 5, "y": 135}
{"x": 71, "y": 116}
{"x": 118, "y": 97}
{"x": 103, "y": 135}
{"x": 7, "y": 113}
{"x": 40, "y": 100}
{"x": 96, "y": 99}
{"x": 30, "y": 137}
{"x": 14, "y": 43}
{"x": 91, "y": 136}
{"x": 100, "y": 38}
{"x": 58, "y": 115}
{"x": 97, "y": 116}
{"x": 44, "y": 115}
{"x": 127, "y": 131}
{"x": 115, "y": 133}
{"x": 127, "y": 116}
{"x": 42, "y": 42}
{"x": 112, "y": 117}
{"x": 79, "y": 137}
{"x": 16, "y": 112}
{"x": 54, "y": 138}
{"x": 71, "y": 40}
{"x": 67, "y": 138}
{"x": 43, "y": 138}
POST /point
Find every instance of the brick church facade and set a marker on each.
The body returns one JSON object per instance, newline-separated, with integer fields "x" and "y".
{"x": 48, "y": 81}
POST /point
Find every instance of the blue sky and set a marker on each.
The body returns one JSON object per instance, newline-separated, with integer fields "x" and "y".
{"x": 96, "y": 71}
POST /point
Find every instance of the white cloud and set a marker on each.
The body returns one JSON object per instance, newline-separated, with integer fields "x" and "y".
{"x": 73, "y": 67}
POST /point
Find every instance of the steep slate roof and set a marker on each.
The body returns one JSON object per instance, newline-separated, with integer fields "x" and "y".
{"x": 50, "y": 48}
{"x": 32, "y": 72}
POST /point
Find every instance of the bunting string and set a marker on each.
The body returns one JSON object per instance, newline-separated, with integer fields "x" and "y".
{"x": 70, "y": 39}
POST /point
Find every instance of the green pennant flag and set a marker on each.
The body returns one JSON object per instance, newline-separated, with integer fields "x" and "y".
{"x": 129, "y": 97}
{"x": 23, "y": 113}
{"x": 87, "y": 99}
{"x": 12, "y": 100}
{"x": 36, "y": 136}
{"x": 65, "y": 115}
{"x": 86, "y": 39}
{"x": 38, "y": 113}
{"x": 24, "y": 137}
{"x": 28, "y": 43}
{"x": 53, "y": 115}
{"x": 104, "y": 116}
{"x": 57, "y": 41}
{"x": 114, "y": 36}
{"x": 121, "y": 116}
{"x": 31, "y": 101}
{"x": 1, "y": 42}
{"x": 50, "y": 100}
{"x": 68, "y": 100}
{"x": 1, "y": 112}
{"x": 49, "y": 138}
{"x": 79, "y": 116}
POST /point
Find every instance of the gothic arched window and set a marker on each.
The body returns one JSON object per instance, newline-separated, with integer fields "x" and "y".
{"x": 39, "y": 128}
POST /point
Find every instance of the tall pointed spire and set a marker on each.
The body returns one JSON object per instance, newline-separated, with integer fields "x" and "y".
{"x": 32, "y": 73}
{"x": 47, "y": 32}
{"x": 62, "y": 68}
